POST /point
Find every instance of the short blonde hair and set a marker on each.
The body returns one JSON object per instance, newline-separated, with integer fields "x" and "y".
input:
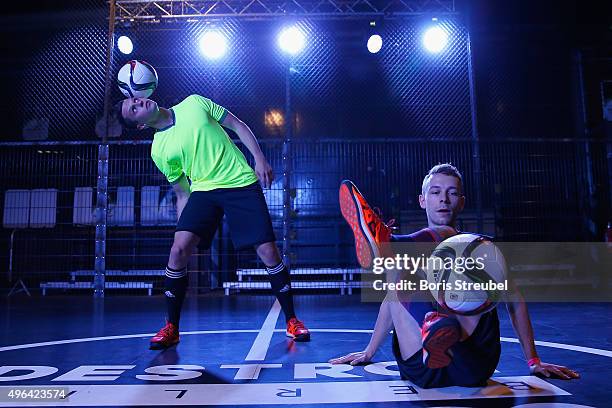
{"x": 441, "y": 168}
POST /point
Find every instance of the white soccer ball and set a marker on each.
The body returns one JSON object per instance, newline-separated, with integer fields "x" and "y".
{"x": 450, "y": 279}
{"x": 137, "y": 78}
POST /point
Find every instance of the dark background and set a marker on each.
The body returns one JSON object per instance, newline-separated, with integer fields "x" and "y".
{"x": 380, "y": 120}
{"x": 526, "y": 58}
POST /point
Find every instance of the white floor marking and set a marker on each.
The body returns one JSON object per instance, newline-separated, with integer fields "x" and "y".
{"x": 259, "y": 349}
{"x": 600, "y": 352}
{"x": 563, "y": 346}
{"x": 124, "y": 336}
{"x": 288, "y": 393}
{"x": 551, "y": 405}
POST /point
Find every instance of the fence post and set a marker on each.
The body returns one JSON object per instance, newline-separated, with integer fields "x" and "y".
{"x": 475, "y": 138}
{"x": 102, "y": 183}
{"x": 287, "y": 169}
{"x": 101, "y": 212}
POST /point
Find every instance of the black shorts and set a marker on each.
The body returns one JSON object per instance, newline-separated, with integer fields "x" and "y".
{"x": 474, "y": 359}
{"x": 246, "y": 211}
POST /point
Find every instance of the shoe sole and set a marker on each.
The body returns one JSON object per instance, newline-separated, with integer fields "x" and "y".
{"x": 159, "y": 346}
{"x": 437, "y": 347}
{"x": 365, "y": 244}
{"x": 302, "y": 337}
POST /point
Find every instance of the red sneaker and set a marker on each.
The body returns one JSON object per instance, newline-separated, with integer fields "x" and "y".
{"x": 439, "y": 333}
{"x": 369, "y": 229}
{"x": 297, "y": 330}
{"x": 167, "y": 336}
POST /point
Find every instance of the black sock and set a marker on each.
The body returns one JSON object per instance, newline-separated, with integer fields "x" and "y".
{"x": 175, "y": 289}
{"x": 281, "y": 287}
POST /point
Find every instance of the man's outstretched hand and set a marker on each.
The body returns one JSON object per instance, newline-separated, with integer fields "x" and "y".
{"x": 358, "y": 357}
{"x": 547, "y": 370}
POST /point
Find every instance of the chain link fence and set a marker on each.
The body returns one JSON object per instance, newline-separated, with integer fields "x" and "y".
{"x": 530, "y": 191}
{"x": 381, "y": 120}
{"x": 337, "y": 88}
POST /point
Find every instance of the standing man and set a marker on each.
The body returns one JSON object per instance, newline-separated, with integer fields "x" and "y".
{"x": 210, "y": 177}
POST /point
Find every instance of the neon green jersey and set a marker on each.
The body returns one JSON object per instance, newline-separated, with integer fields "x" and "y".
{"x": 197, "y": 146}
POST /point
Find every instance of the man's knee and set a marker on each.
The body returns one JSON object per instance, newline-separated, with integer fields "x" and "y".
{"x": 181, "y": 250}
{"x": 269, "y": 253}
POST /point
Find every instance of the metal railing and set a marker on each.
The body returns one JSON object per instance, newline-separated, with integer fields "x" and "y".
{"x": 530, "y": 190}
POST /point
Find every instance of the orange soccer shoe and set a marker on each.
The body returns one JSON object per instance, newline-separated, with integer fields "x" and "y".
{"x": 369, "y": 229}
{"x": 167, "y": 336}
{"x": 297, "y": 330}
{"x": 439, "y": 333}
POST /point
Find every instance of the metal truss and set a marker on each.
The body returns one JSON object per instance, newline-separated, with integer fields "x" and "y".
{"x": 155, "y": 11}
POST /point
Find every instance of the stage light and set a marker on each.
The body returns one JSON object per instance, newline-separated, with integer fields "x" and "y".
{"x": 291, "y": 40}
{"x": 125, "y": 45}
{"x": 435, "y": 39}
{"x": 213, "y": 45}
{"x": 374, "y": 43}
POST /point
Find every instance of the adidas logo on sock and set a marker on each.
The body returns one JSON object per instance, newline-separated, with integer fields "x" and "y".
{"x": 169, "y": 294}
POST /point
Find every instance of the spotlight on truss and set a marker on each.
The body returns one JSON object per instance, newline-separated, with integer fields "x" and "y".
{"x": 435, "y": 39}
{"x": 125, "y": 45}
{"x": 213, "y": 45}
{"x": 374, "y": 43}
{"x": 291, "y": 40}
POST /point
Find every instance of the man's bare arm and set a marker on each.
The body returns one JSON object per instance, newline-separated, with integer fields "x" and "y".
{"x": 246, "y": 136}
{"x": 519, "y": 315}
{"x": 384, "y": 323}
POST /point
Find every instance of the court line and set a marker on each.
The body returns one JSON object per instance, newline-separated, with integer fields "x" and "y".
{"x": 589, "y": 350}
{"x": 295, "y": 393}
{"x": 606, "y": 353}
{"x": 126, "y": 336}
{"x": 260, "y": 346}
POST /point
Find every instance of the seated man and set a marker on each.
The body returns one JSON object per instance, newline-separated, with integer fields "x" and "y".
{"x": 435, "y": 348}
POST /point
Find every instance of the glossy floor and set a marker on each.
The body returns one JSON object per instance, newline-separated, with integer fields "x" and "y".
{"x": 230, "y": 355}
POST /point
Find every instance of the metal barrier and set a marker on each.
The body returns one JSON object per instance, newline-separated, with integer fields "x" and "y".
{"x": 531, "y": 190}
